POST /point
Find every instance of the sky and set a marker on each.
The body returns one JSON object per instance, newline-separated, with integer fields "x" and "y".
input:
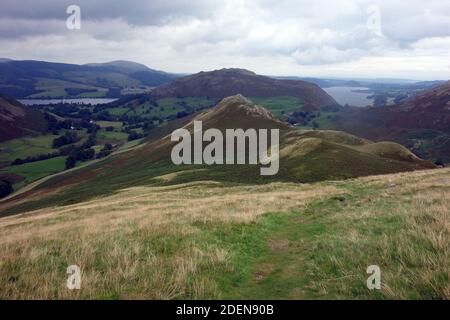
{"x": 307, "y": 38}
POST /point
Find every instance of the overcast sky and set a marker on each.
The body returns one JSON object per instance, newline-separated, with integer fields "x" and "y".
{"x": 343, "y": 38}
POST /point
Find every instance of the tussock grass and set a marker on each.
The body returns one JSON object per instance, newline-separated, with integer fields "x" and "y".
{"x": 206, "y": 240}
{"x": 143, "y": 242}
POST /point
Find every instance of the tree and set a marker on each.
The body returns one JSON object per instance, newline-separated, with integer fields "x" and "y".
{"x": 5, "y": 188}
{"x": 67, "y": 138}
{"x": 87, "y": 154}
{"x": 71, "y": 161}
{"x": 106, "y": 151}
{"x": 134, "y": 136}
{"x": 90, "y": 142}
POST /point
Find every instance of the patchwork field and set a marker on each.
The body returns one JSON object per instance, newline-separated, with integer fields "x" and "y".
{"x": 35, "y": 170}
{"x": 22, "y": 148}
{"x": 57, "y": 88}
{"x": 25, "y": 147}
{"x": 279, "y": 106}
{"x": 210, "y": 240}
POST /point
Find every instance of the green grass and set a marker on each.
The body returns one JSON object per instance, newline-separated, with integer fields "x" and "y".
{"x": 160, "y": 247}
{"x": 165, "y": 107}
{"x": 37, "y": 170}
{"x": 326, "y": 120}
{"x": 114, "y": 124}
{"x": 279, "y": 106}
{"x": 56, "y": 88}
{"x": 113, "y": 136}
{"x": 164, "y": 110}
{"x": 331, "y": 244}
{"x": 170, "y": 102}
{"x": 118, "y": 111}
{"x": 25, "y": 147}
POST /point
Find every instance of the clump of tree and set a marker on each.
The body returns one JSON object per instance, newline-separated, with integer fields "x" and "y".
{"x": 303, "y": 118}
{"x": 67, "y": 138}
{"x": 83, "y": 152}
{"x": 379, "y": 100}
{"x": 90, "y": 142}
{"x": 106, "y": 151}
{"x": 79, "y": 154}
{"x": 135, "y": 136}
{"x": 41, "y": 157}
{"x": 5, "y": 188}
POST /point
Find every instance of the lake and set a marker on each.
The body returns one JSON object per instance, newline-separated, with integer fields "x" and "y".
{"x": 92, "y": 101}
{"x": 347, "y": 95}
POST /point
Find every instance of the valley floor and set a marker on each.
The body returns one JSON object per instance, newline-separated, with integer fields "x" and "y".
{"x": 207, "y": 241}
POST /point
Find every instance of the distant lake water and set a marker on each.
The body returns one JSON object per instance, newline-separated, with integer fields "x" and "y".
{"x": 347, "y": 95}
{"x": 92, "y": 101}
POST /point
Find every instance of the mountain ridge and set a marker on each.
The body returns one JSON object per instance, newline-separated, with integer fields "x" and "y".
{"x": 305, "y": 156}
{"x": 37, "y": 79}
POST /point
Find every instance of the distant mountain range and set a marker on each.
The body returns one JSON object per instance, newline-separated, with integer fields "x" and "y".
{"x": 373, "y": 83}
{"x": 17, "y": 120}
{"x": 39, "y": 79}
{"x": 420, "y": 122}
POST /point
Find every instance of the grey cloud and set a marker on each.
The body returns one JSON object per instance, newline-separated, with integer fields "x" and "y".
{"x": 300, "y": 33}
{"x": 136, "y": 12}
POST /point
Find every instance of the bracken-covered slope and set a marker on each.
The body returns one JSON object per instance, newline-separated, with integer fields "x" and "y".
{"x": 305, "y": 156}
{"x": 422, "y": 123}
{"x": 228, "y": 82}
{"x": 17, "y": 120}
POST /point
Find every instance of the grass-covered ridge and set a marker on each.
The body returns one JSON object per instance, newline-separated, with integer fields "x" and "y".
{"x": 209, "y": 240}
{"x": 305, "y": 156}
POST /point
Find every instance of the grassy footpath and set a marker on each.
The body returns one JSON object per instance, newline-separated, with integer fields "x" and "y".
{"x": 207, "y": 240}
{"x": 323, "y": 251}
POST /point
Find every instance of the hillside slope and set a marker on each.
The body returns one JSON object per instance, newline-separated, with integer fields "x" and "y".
{"x": 17, "y": 120}
{"x": 35, "y": 79}
{"x": 305, "y": 156}
{"x": 212, "y": 240}
{"x": 228, "y": 82}
{"x": 422, "y": 123}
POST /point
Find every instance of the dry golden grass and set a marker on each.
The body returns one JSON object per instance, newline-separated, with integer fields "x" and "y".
{"x": 156, "y": 207}
{"x": 120, "y": 241}
{"x": 149, "y": 242}
{"x": 416, "y": 252}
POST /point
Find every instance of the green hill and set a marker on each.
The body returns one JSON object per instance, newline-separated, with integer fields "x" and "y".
{"x": 40, "y": 79}
{"x": 210, "y": 240}
{"x": 228, "y": 82}
{"x": 305, "y": 156}
{"x": 192, "y": 93}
